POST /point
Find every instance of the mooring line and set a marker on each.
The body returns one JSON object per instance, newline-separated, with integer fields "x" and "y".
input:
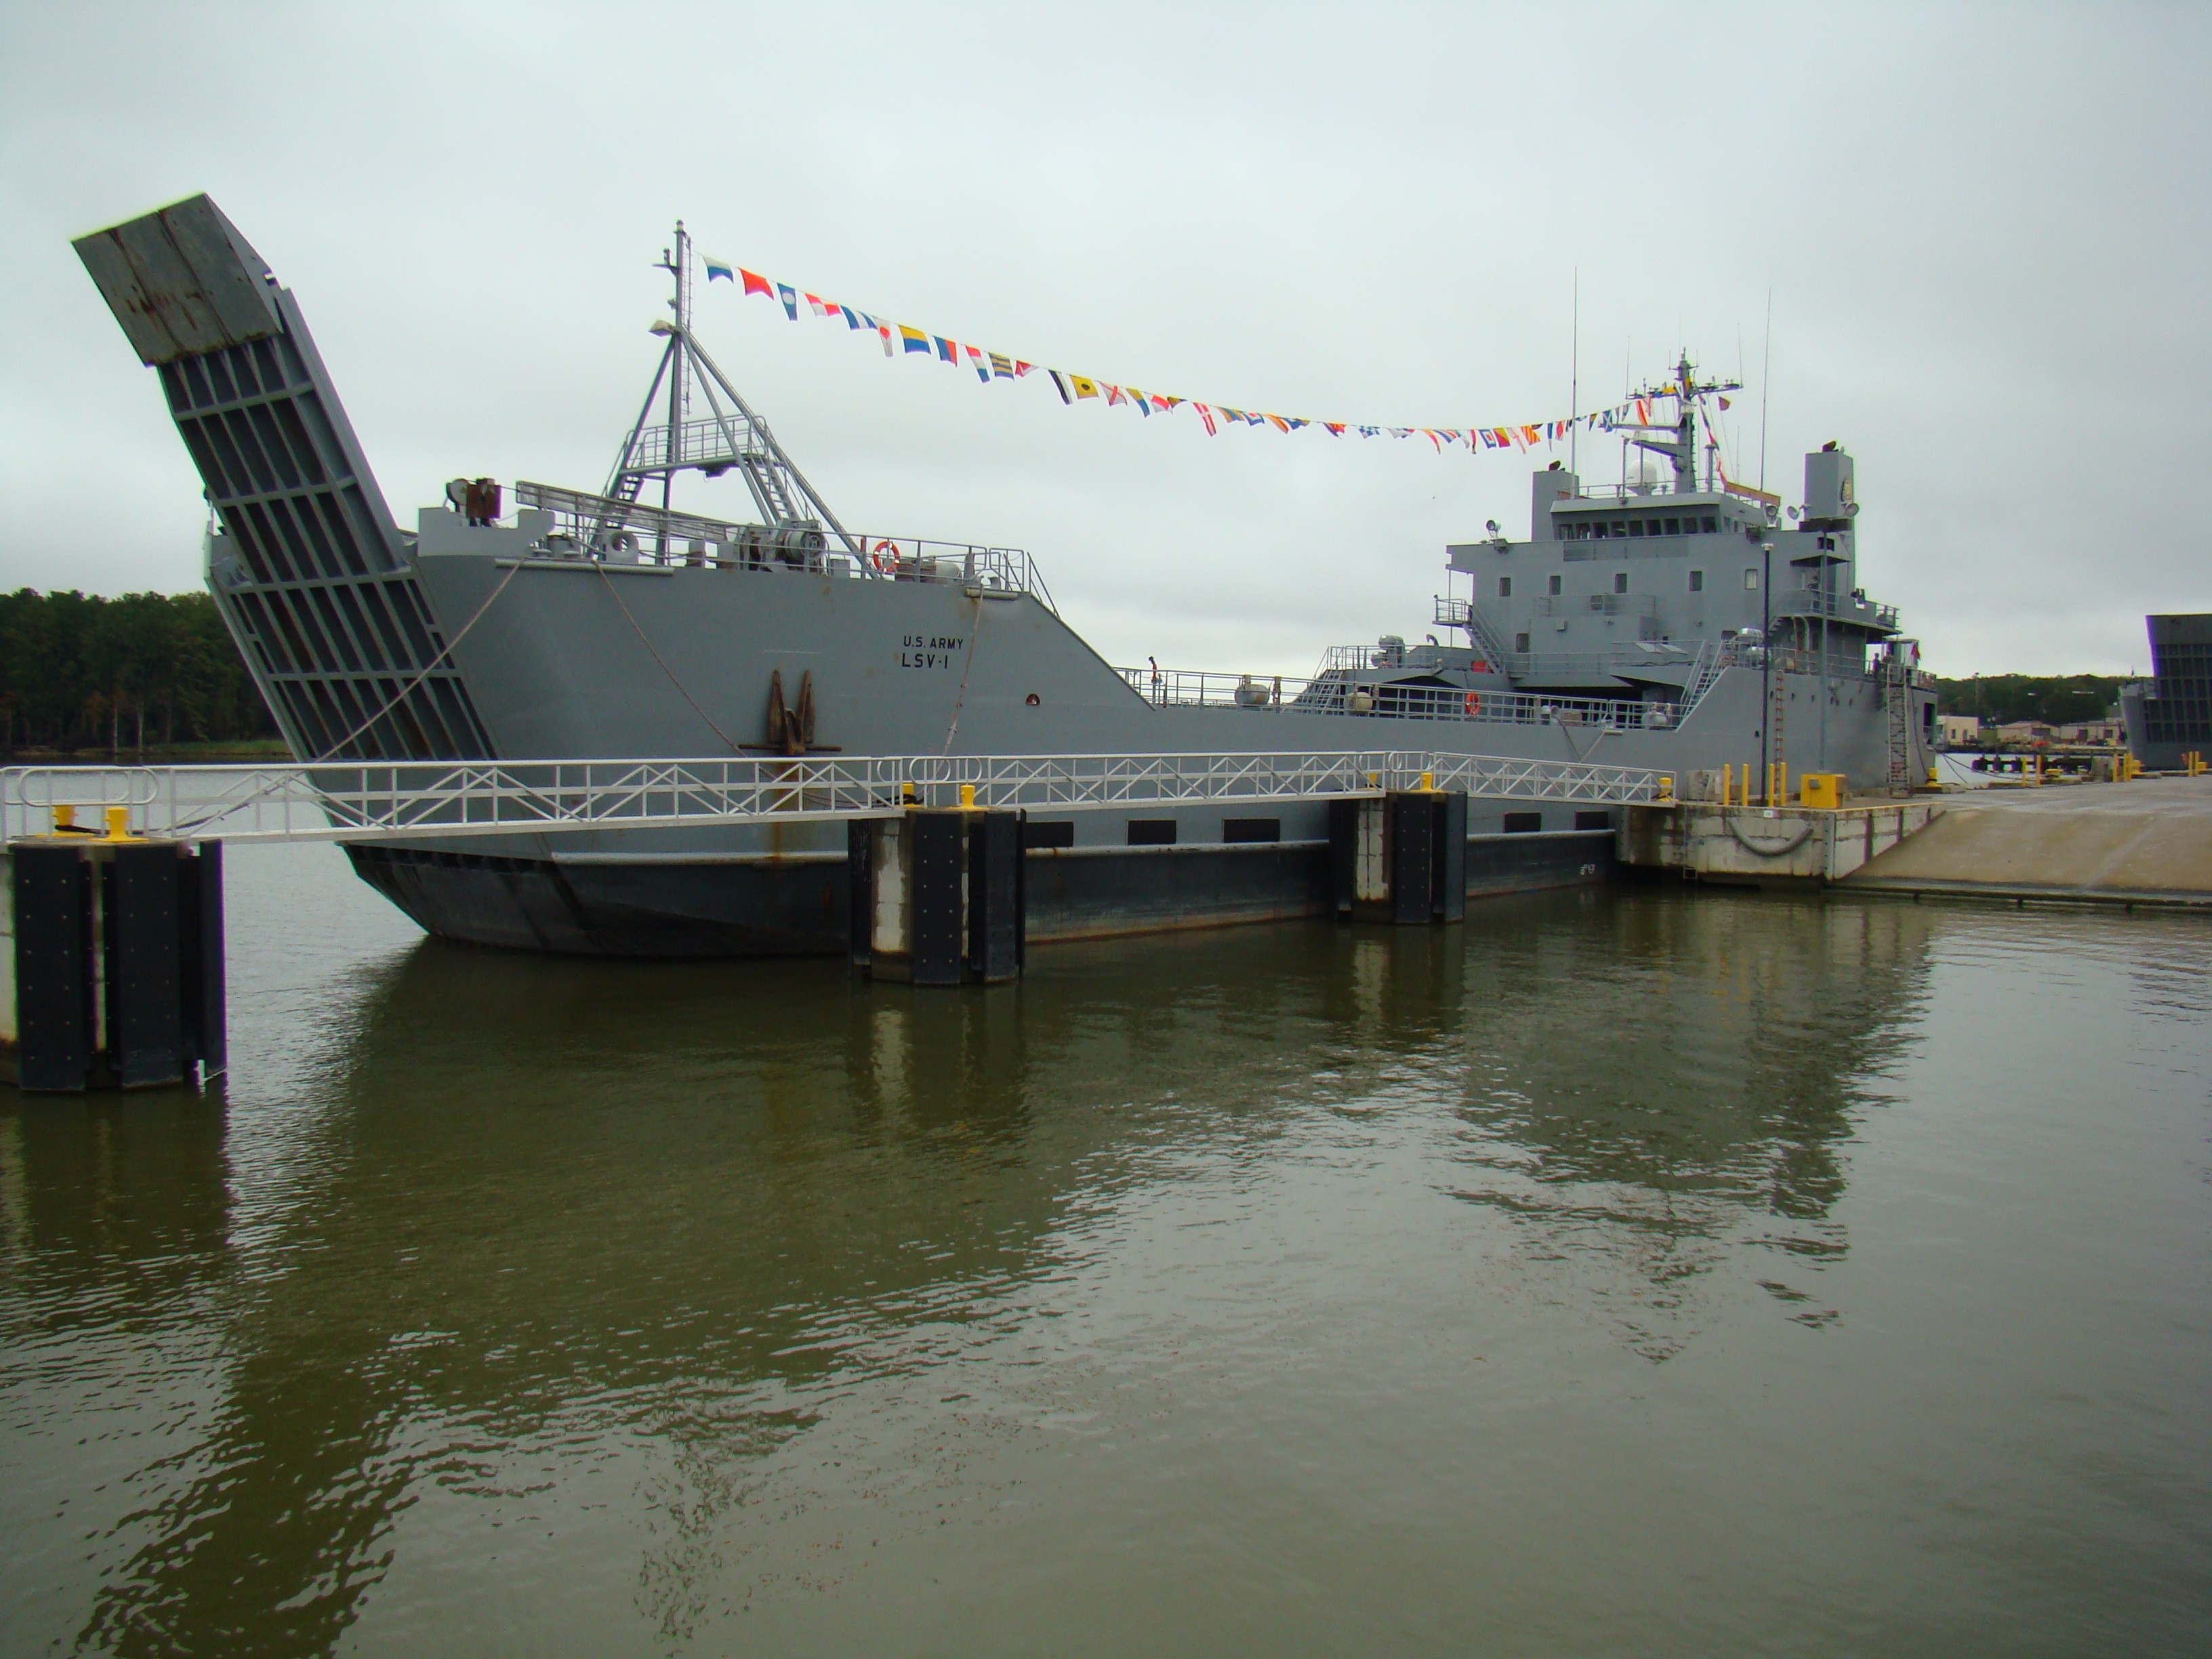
{"x": 736, "y": 748}
{"x": 960, "y": 697}
{"x": 397, "y": 698}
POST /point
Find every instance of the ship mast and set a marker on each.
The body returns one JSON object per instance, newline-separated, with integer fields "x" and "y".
{"x": 1679, "y": 445}
{"x": 729, "y": 436}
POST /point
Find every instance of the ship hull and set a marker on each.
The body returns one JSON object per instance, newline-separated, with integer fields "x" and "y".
{"x": 744, "y": 907}
{"x": 581, "y": 660}
{"x": 469, "y": 640}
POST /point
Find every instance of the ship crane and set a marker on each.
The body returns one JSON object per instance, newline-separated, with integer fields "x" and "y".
{"x": 1679, "y": 445}
{"x": 728, "y": 437}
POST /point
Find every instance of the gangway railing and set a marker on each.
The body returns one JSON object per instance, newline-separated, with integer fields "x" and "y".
{"x": 426, "y": 800}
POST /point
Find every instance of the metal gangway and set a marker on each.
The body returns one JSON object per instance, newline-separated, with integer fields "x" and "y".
{"x": 435, "y": 800}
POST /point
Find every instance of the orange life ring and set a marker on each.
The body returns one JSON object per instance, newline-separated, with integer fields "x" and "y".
{"x": 1473, "y": 703}
{"x": 876, "y": 554}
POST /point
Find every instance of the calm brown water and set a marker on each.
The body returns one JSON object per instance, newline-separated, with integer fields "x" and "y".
{"x": 1624, "y": 1273}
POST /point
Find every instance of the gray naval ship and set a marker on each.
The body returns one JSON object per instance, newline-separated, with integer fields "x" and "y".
{"x": 1662, "y": 621}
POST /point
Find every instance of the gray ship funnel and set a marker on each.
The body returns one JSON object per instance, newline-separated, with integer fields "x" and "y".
{"x": 1830, "y": 492}
{"x": 308, "y": 570}
{"x": 1546, "y": 490}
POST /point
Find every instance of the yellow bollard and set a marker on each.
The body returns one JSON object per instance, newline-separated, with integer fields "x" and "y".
{"x": 1666, "y": 789}
{"x": 1428, "y": 780}
{"x": 1727, "y": 782}
{"x": 119, "y": 823}
{"x": 968, "y": 797}
{"x": 909, "y": 795}
{"x": 64, "y": 817}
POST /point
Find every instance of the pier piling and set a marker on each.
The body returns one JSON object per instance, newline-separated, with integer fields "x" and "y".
{"x": 1400, "y": 857}
{"x": 113, "y": 962}
{"x": 937, "y": 896}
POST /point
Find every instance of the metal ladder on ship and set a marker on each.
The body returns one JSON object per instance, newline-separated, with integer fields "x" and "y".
{"x": 1896, "y": 706}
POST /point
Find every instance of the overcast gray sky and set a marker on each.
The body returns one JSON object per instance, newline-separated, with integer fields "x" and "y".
{"x": 1985, "y": 229}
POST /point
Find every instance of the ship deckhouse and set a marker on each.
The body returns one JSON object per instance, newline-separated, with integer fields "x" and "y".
{"x": 1646, "y": 588}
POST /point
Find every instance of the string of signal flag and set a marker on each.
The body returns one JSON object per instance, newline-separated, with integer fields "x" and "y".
{"x": 900, "y": 339}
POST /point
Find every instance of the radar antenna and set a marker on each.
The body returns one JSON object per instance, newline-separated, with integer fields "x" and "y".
{"x": 728, "y": 437}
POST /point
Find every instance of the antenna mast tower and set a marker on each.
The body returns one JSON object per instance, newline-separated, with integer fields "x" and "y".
{"x": 1680, "y": 446}
{"x": 727, "y": 437}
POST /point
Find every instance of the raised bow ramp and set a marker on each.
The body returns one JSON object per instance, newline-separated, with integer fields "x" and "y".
{"x": 308, "y": 566}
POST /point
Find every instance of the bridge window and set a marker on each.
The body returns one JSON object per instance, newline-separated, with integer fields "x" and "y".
{"x": 1696, "y": 581}
{"x": 1251, "y": 829}
{"x": 1709, "y": 525}
{"x": 1673, "y": 527}
{"x": 1555, "y": 584}
{"x": 1062, "y": 834}
{"x": 1599, "y": 819}
{"x": 1505, "y": 588}
{"x": 1620, "y": 581}
{"x": 1523, "y": 824}
{"x": 1598, "y": 530}
{"x": 1152, "y": 832}
{"x": 1636, "y": 526}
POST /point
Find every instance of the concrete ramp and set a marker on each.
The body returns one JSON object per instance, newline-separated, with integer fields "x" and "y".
{"x": 2149, "y": 842}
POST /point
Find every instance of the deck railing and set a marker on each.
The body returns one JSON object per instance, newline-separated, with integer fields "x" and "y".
{"x": 631, "y": 533}
{"x": 1185, "y": 688}
{"x": 1810, "y": 602}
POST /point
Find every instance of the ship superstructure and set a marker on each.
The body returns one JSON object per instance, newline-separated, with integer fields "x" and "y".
{"x": 1668, "y": 622}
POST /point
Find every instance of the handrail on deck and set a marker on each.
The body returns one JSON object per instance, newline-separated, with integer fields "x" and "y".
{"x": 587, "y": 525}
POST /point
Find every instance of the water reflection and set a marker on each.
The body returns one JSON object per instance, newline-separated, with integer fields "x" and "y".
{"x": 1695, "y": 1090}
{"x": 564, "y": 1221}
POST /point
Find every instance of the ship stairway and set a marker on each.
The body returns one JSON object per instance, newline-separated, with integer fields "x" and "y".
{"x": 1705, "y": 668}
{"x": 773, "y": 488}
{"x": 1463, "y": 613}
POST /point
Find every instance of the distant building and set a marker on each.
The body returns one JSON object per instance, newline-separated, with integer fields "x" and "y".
{"x": 2025, "y": 731}
{"x": 1957, "y": 731}
{"x": 2171, "y": 712}
{"x": 2091, "y": 731}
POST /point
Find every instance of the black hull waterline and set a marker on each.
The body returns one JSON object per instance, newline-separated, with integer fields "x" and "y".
{"x": 762, "y": 907}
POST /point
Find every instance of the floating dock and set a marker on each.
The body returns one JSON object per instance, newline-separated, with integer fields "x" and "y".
{"x": 2145, "y": 841}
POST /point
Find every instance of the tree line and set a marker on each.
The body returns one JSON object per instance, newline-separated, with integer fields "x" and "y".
{"x": 80, "y": 671}
{"x": 2054, "y": 699}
